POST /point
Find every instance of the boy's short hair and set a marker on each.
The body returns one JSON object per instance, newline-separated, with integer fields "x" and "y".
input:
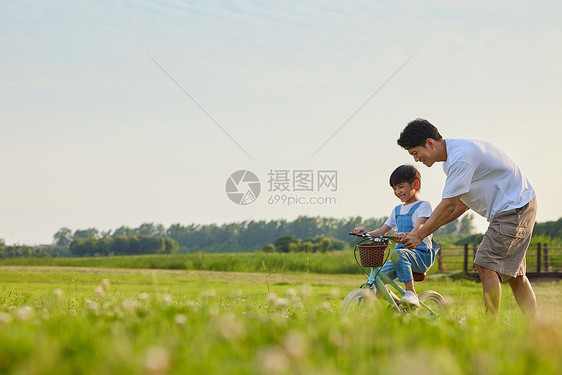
{"x": 416, "y": 134}
{"x": 405, "y": 173}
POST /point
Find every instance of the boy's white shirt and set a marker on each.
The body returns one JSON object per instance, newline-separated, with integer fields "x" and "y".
{"x": 424, "y": 210}
{"x": 485, "y": 177}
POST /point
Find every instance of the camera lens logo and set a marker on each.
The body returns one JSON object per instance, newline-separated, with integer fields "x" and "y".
{"x": 243, "y": 187}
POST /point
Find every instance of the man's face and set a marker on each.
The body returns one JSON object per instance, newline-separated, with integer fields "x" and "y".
{"x": 424, "y": 154}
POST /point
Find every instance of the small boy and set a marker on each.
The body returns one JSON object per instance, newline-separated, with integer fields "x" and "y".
{"x": 412, "y": 214}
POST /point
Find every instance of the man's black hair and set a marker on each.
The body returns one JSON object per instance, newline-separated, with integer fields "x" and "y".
{"x": 405, "y": 173}
{"x": 416, "y": 134}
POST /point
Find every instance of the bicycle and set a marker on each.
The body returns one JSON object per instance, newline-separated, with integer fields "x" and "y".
{"x": 372, "y": 255}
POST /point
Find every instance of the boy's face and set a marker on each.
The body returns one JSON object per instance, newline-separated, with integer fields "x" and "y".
{"x": 425, "y": 154}
{"x": 406, "y": 192}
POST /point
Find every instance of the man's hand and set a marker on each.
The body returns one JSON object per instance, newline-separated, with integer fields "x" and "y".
{"x": 410, "y": 240}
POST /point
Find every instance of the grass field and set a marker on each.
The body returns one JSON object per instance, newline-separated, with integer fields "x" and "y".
{"x": 334, "y": 262}
{"x": 123, "y": 321}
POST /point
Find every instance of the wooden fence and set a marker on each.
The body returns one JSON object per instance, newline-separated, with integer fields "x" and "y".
{"x": 543, "y": 261}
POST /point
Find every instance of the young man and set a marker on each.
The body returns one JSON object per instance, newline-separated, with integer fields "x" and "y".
{"x": 483, "y": 178}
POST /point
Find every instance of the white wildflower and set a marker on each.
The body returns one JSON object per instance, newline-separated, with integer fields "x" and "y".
{"x": 295, "y": 344}
{"x": 272, "y": 299}
{"x": 167, "y": 299}
{"x": 105, "y": 284}
{"x": 180, "y": 319}
{"x": 92, "y": 307}
{"x": 157, "y": 360}
{"x": 273, "y": 360}
{"x": 99, "y": 292}
{"x": 291, "y": 294}
{"x": 5, "y": 318}
{"x": 25, "y": 313}
{"x": 208, "y": 295}
{"x": 130, "y": 306}
{"x": 231, "y": 328}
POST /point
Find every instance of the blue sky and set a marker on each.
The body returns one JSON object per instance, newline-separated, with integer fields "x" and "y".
{"x": 95, "y": 134}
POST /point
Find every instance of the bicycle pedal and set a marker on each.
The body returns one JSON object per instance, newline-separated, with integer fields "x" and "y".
{"x": 408, "y": 307}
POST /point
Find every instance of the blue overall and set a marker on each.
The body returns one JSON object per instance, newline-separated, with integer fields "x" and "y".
{"x": 405, "y": 261}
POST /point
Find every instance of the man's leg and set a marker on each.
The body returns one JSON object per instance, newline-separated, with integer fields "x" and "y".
{"x": 491, "y": 288}
{"x": 524, "y": 295}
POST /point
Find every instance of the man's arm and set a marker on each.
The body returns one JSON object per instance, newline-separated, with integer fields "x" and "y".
{"x": 448, "y": 210}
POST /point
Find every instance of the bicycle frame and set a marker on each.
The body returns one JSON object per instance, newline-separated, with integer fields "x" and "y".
{"x": 380, "y": 280}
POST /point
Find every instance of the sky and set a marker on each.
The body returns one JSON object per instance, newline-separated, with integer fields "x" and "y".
{"x": 122, "y": 113}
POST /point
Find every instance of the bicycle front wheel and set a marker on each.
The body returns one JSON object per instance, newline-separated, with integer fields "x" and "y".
{"x": 436, "y": 305}
{"x": 356, "y": 301}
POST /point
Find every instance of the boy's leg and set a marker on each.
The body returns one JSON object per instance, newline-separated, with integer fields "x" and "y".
{"x": 388, "y": 269}
{"x": 406, "y": 261}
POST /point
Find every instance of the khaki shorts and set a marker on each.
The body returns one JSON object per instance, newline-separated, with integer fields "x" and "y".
{"x": 505, "y": 243}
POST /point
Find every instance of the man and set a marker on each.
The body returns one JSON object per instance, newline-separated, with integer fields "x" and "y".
{"x": 483, "y": 178}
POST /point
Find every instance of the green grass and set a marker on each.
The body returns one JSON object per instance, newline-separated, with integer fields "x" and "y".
{"x": 335, "y": 262}
{"x": 63, "y": 321}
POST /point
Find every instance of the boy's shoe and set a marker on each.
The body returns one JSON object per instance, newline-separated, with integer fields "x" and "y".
{"x": 410, "y": 299}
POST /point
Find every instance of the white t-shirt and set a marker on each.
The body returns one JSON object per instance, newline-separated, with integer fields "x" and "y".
{"x": 424, "y": 210}
{"x": 488, "y": 181}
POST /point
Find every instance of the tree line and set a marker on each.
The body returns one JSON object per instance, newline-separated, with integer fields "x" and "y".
{"x": 123, "y": 245}
{"x": 248, "y": 235}
{"x": 19, "y": 251}
{"x": 290, "y": 244}
{"x": 314, "y": 234}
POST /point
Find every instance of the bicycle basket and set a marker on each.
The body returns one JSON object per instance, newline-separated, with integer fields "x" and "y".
{"x": 372, "y": 255}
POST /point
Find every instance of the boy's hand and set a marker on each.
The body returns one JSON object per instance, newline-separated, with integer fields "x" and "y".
{"x": 359, "y": 230}
{"x": 409, "y": 240}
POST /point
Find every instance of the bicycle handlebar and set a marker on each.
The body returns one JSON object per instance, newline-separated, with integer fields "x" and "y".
{"x": 383, "y": 239}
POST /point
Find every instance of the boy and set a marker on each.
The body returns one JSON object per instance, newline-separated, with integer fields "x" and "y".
{"x": 411, "y": 215}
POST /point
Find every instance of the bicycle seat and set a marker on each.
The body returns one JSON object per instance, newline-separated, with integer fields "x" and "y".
{"x": 419, "y": 276}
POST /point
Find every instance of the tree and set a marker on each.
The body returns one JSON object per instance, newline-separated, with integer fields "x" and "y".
{"x": 87, "y": 233}
{"x": 171, "y": 246}
{"x": 307, "y": 246}
{"x": 77, "y": 247}
{"x": 63, "y": 237}
{"x": 324, "y": 245}
{"x": 134, "y": 247}
{"x": 338, "y": 244}
{"x": 151, "y": 229}
{"x": 549, "y": 228}
{"x": 151, "y": 245}
{"x": 103, "y": 246}
{"x": 269, "y": 248}
{"x": 286, "y": 244}
{"x": 124, "y": 231}
{"x": 466, "y": 225}
{"x": 120, "y": 245}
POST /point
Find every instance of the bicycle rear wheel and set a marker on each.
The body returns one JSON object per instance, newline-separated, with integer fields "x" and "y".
{"x": 434, "y": 301}
{"x": 356, "y": 301}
